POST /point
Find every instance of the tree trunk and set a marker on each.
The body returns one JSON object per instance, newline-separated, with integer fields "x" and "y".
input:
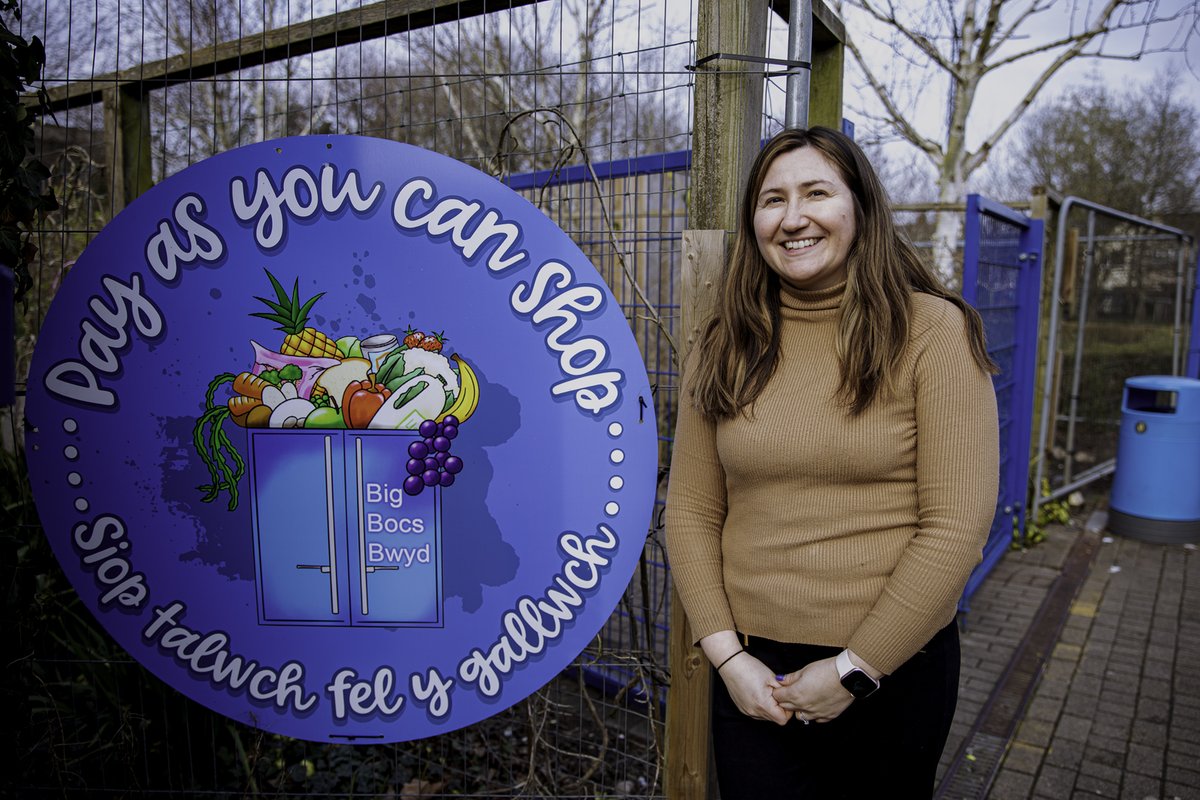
{"x": 948, "y": 231}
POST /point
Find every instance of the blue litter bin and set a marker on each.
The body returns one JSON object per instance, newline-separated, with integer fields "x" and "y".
{"x": 1156, "y": 487}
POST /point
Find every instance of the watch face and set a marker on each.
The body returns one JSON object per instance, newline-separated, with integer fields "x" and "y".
{"x": 858, "y": 683}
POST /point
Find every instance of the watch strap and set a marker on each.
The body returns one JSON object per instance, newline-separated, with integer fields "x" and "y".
{"x": 856, "y": 680}
{"x": 844, "y": 664}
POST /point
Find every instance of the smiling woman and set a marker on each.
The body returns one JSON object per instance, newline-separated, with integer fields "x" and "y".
{"x": 833, "y": 481}
{"x": 804, "y": 220}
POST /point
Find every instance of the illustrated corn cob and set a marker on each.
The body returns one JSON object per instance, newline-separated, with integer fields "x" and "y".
{"x": 292, "y": 316}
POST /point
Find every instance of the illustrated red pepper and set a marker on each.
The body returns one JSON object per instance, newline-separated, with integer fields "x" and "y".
{"x": 361, "y": 400}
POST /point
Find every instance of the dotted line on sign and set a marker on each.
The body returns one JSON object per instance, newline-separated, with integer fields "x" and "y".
{"x": 616, "y": 482}
{"x": 71, "y": 453}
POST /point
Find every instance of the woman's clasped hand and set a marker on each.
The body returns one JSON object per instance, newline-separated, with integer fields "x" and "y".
{"x": 814, "y": 693}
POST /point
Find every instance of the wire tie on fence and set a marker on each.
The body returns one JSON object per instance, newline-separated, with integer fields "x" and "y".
{"x": 782, "y": 62}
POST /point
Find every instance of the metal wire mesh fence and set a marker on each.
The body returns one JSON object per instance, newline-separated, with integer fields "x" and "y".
{"x": 1125, "y": 307}
{"x": 628, "y": 217}
{"x": 583, "y": 107}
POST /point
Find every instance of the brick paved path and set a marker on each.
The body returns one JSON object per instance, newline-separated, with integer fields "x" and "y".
{"x": 1116, "y": 713}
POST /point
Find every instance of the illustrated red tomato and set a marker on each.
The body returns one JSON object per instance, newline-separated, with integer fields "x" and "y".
{"x": 361, "y": 400}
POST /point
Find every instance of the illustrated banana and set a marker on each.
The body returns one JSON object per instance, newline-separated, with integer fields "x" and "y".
{"x": 468, "y": 393}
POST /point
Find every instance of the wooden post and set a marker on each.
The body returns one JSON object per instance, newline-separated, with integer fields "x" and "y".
{"x": 690, "y": 693}
{"x": 728, "y": 101}
{"x": 727, "y": 108}
{"x": 126, "y": 144}
{"x": 828, "y": 66}
{"x": 703, "y": 258}
{"x": 1070, "y": 270}
{"x": 1043, "y": 204}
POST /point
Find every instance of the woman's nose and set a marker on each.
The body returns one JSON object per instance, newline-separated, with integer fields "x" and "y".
{"x": 795, "y": 216}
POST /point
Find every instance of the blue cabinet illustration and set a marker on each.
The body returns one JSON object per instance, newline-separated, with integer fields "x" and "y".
{"x": 336, "y": 539}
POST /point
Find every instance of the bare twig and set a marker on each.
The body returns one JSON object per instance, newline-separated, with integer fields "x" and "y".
{"x": 498, "y": 170}
{"x": 895, "y": 115}
{"x": 598, "y": 759}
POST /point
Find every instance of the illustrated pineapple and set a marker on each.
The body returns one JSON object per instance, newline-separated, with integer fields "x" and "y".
{"x": 292, "y": 316}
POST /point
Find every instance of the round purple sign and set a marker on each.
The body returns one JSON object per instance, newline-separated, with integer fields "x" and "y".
{"x": 343, "y": 439}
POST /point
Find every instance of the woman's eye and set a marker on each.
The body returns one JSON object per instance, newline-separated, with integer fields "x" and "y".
{"x": 818, "y": 193}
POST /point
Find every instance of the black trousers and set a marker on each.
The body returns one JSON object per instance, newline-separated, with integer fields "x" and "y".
{"x": 886, "y": 745}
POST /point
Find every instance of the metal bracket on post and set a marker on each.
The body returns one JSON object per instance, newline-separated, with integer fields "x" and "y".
{"x": 783, "y": 62}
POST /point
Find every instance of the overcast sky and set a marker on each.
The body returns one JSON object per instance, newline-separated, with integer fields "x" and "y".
{"x": 1000, "y": 91}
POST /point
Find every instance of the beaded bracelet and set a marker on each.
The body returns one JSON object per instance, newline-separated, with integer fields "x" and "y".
{"x": 739, "y": 651}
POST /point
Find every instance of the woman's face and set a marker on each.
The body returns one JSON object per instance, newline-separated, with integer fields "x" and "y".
{"x": 804, "y": 220}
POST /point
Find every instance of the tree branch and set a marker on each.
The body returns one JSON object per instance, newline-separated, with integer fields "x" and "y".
{"x": 1033, "y": 9}
{"x": 1100, "y": 27}
{"x": 976, "y": 158}
{"x": 920, "y": 40}
{"x": 898, "y": 120}
{"x": 951, "y": 19}
{"x": 990, "y": 24}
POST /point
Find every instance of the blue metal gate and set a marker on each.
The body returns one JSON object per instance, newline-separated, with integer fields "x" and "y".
{"x": 1191, "y": 366}
{"x": 1002, "y": 269}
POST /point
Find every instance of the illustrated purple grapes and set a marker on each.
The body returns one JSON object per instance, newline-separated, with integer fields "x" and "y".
{"x": 430, "y": 462}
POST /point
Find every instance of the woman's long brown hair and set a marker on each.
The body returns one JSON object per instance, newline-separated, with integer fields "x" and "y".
{"x": 739, "y": 349}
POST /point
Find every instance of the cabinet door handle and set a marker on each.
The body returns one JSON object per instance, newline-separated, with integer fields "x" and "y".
{"x": 363, "y": 569}
{"x": 333, "y": 584}
{"x": 322, "y": 567}
{"x": 376, "y": 569}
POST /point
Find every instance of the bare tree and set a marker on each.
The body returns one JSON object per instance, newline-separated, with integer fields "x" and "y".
{"x": 956, "y": 44}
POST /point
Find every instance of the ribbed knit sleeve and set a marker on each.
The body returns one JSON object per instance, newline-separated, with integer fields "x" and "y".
{"x": 957, "y": 474}
{"x": 696, "y": 507}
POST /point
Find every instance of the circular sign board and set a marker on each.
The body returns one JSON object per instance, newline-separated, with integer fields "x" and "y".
{"x": 343, "y": 439}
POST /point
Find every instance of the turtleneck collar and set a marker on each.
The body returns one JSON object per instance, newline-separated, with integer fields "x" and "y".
{"x": 795, "y": 300}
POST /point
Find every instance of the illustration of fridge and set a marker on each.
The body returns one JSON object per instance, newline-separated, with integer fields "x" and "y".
{"x": 336, "y": 539}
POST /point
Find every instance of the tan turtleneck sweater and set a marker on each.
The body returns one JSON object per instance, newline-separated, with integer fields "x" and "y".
{"x": 803, "y": 524}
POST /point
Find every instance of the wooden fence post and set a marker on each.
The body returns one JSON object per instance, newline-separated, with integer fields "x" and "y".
{"x": 690, "y": 691}
{"x": 728, "y": 101}
{"x": 126, "y": 144}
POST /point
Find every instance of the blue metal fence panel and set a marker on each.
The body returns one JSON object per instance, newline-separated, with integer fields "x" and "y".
{"x": 1002, "y": 258}
{"x": 1192, "y": 365}
{"x": 645, "y": 201}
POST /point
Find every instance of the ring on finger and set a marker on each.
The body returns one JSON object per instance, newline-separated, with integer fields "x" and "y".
{"x": 803, "y": 718}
